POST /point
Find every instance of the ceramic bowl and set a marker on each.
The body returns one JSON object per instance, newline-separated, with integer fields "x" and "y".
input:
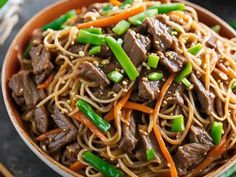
{"x": 11, "y": 66}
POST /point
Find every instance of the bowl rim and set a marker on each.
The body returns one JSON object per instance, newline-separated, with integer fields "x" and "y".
{"x": 53, "y": 164}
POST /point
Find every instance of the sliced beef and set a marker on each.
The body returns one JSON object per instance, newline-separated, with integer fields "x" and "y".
{"x": 205, "y": 97}
{"x": 37, "y": 37}
{"x": 105, "y": 52}
{"x": 161, "y": 38}
{"x": 67, "y": 135}
{"x": 172, "y": 61}
{"x": 24, "y": 90}
{"x": 212, "y": 41}
{"x": 76, "y": 48}
{"x": 147, "y": 142}
{"x": 174, "y": 94}
{"x": 136, "y": 47}
{"x": 111, "y": 66}
{"x": 200, "y": 136}
{"x": 149, "y": 90}
{"x": 93, "y": 73}
{"x": 128, "y": 141}
{"x": 41, "y": 119}
{"x": 71, "y": 152}
{"x": 42, "y": 66}
{"x": 190, "y": 155}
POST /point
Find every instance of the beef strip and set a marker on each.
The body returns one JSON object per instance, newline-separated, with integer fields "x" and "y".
{"x": 174, "y": 94}
{"x": 148, "y": 142}
{"x": 161, "y": 38}
{"x": 128, "y": 140}
{"x": 105, "y": 52}
{"x": 190, "y": 155}
{"x": 148, "y": 90}
{"x": 71, "y": 152}
{"x": 37, "y": 37}
{"x": 42, "y": 66}
{"x": 93, "y": 73}
{"x": 172, "y": 61}
{"x": 76, "y": 48}
{"x": 205, "y": 97}
{"x": 24, "y": 90}
{"x": 67, "y": 135}
{"x": 212, "y": 42}
{"x": 41, "y": 119}
{"x": 136, "y": 47}
{"x": 111, "y": 66}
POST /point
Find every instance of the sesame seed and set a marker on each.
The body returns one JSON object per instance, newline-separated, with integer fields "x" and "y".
{"x": 124, "y": 82}
{"x": 81, "y": 54}
{"x": 96, "y": 63}
{"x": 105, "y": 62}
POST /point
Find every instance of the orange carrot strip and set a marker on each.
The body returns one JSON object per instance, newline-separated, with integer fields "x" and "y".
{"x": 46, "y": 134}
{"x": 115, "y": 2}
{"x": 84, "y": 120}
{"x": 227, "y": 71}
{"x": 110, "y": 115}
{"x": 111, "y": 20}
{"x": 76, "y": 166}
{"x": 121, "y": 104}
{"x": 157, "y": 132}
{"x": 78, "y": 11}
{"x": 46, "y": 83}
{"x": 138, "y": 107}
{"x": 216, "y": 152}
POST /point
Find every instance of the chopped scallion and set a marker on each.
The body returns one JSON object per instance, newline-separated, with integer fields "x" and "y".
{"x": 90, "y": 38}
{"x": 153, "y": 60}
{"x": 195, "y": 49}
{"x": 233, "y": 86}
{"x": 216, "y": 28}
{"x": 95, "y": 50}
{"x": 150, "y": 154}
{"x": 216, "y": 132}
{"x": 184, "y": 73}
{"x": 155, "y": 76}
{"x": 115, "y": 76}
{"x": 178, "y": 124}
{"x": 187, "y": 83}
{"x": 165, "y": 8}
{"x": 121, "y": 27}
{"x": 139, "y": 18}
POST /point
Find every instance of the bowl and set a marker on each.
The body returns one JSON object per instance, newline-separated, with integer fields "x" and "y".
{"x": 11, "y": 66}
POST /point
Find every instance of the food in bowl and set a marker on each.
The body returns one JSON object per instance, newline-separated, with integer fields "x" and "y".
{"x": 130, "y": 88}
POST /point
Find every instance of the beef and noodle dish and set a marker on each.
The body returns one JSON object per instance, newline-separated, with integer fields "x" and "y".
{"x": 130, "y": 88}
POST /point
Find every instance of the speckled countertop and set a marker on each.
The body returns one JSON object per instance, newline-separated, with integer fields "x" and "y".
{"x": 13, "y": 151}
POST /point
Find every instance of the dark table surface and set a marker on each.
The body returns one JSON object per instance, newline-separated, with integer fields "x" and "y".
{"x": 13, "y": 151}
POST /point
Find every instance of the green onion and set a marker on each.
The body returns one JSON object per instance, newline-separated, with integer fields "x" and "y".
{"x": 125, "y": 3}
{"x": 155, "y": 76}
{"x": 120, "y": 41}
{"x": 187, "y": 83}
{"x": 94, "y": 30}
{"x": 233, "y": 24}
{"x": 165, "y": 8}
{"x": 90, "y": 38}
{"x": 184, "y": 73}
{"x": 233, "y": 86}
{"x": 85, "y": 108}
{"x": 2, "y": 3}
{"x": 216, "y": 28}
{"x": 122, "y": 58}
{"x": 229, "y": 172}
{"x": 178, "y": 124}
{"x": 195, "y": 49}
{"x": 121, "y": 27}
{"x": 95, "y": 50}
{"x": 115, "y": 76}
{"x": 106, "y": 9}
{"x": 57, "y": 23}
{"x": 139, "y": 18}
{"x": 64, "y": 26}
{"x": 101, "y": 165}
{"x": 216, "y": 132}
{"x": 153, "y": 60}
{"x": 27, "y": 50}
{"x": 150, "y": 154}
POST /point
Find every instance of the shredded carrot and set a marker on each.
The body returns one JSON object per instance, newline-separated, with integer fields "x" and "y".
{"x": 76, "y": 166}
{"x": 46, "y": 134}
{"x": 121, "y": 104}
{"x": 46, "y": 83}
{"x": 84, "y": 120}
{"x": 138, "y": 107}
{"x": 110, "y": 115}
{"x": 227, "y": 71}
{"x": 115, "y": 2}
{"x": 157, "y": 132}
{"x": 78, "y": 11}
{"x": 111, "y": 20}
{"x": 215, "y": 153}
